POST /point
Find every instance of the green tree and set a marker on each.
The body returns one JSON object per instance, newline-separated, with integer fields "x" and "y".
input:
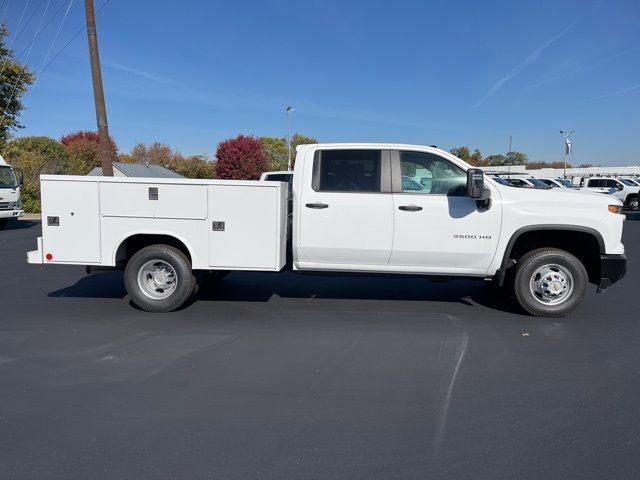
{"x": 275, "y": 149}
{"x": 195, "y": 166}
{"x": 494, "y": 161}
{"x": 15, "y": 78}
{"x": 463, "y": 153}
{"x": 516, "y": 158}
{"x": 35, "y": 156}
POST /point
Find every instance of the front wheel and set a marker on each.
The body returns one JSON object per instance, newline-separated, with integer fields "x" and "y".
{"x": 3, "y": 222}
{"x": 550, "y": 282}
{"x": 633, "y": 204}
{"x": 158, "y": 278}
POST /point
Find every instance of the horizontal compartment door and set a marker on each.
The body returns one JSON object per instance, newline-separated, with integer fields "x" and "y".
{"x": 148, "y": 200}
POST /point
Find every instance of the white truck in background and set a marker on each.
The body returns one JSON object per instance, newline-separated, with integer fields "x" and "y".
{"x": 356, "y": 208}
{"x": 10, "y": 201}
{"x": 624, "y": 190}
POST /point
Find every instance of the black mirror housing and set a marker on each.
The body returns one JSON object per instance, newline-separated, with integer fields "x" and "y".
{"x": 19, "y": 176}
{"x": 475, "y": 184}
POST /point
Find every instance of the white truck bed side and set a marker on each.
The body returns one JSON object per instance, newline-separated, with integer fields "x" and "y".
{"x": 230, "y": 225}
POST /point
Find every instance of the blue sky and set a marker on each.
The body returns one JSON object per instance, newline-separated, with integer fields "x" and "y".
{"x": 448, "y": 73}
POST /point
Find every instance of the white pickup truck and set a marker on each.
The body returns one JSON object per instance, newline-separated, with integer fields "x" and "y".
{"x": 10, "y": 204}
{"x": 625, "y": 190}
{"x": 369, "y": 208}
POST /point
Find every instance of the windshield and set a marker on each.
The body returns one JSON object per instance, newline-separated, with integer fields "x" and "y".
{"x": 628, "y": 182}
{"x": 501, "y": 181}
{"x": 565, "y": 182}
{"x": 538, "y": 183}
{"x": 7, "y": 178}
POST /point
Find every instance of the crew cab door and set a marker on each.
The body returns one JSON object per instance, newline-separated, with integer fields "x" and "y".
{"x": 346, "y": 209}
{"x": 437, "y": 227}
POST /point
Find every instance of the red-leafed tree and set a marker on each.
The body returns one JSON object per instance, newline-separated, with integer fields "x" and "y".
{"x": 84, "y": 152}
{"x": 241, "y": 158}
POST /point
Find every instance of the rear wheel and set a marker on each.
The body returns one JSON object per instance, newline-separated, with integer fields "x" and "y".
{"x": 550, "y": 282}
{"x": 158, "y": 278}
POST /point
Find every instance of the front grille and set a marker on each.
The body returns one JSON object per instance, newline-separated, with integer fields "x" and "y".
{"x": 4, "y": 206}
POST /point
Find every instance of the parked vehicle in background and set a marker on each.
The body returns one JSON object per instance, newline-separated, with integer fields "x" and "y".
{"x": 10, "y": 200}
{"x": 357, "y": 208}
{"x": 632, "y": 181}
{"x": 564, "y": 183}
{"x": 557, "y": 183}
{"x": 282, "y": 176}
{"x": 522, "y": 182}
{"x": 625, "y": 191}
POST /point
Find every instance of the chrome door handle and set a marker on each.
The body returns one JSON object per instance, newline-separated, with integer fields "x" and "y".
{"x": 410, "y": 208}
{"x": 317, "y": 205}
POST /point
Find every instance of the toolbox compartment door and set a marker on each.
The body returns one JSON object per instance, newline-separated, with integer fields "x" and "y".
{"x": 247, "y": 226}
{"x": 70, "y": 222}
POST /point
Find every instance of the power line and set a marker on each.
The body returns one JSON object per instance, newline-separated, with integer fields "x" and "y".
{"x": 46, "y": 24}
{"x": 19, "y": 33}
{"x": 4, "y": 14}
{"x": 75, "y": 35}
{"x": 15, "y": 86}
{"x": 4, "y": 64}
{"x": 55, "y": 38}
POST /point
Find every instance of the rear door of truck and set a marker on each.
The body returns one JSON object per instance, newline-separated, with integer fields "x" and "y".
{"x": 346, "y": 217}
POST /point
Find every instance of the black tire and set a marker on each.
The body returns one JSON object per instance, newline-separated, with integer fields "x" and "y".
{"x": 558, "y": 264}
{"x": 632, "y": 203}
{"x": 184, "y": 278}
{"x": 3, "y": 222}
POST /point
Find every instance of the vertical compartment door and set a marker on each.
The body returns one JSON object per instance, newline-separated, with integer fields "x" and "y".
{"x": 71, "y": 221}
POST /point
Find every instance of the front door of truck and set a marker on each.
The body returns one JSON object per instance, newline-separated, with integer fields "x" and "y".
{"x": 346, "y": 217}
{"x": 437, "y": 227}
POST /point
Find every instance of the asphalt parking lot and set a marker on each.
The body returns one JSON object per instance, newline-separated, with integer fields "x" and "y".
{"x": 276, "y": 376}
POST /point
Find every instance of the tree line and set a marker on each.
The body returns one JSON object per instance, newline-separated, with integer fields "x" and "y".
{"x": 241, "y": 158}
{"x": 510, "y": 159}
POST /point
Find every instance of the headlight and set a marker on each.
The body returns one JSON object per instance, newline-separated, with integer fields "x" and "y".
{"x": 615, "y": 208}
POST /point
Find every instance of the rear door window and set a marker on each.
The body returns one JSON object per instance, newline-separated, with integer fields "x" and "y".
{"x": 356, "y": 171}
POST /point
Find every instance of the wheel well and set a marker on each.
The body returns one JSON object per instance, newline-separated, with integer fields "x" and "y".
{"x": 584, "y": 245}
{"x": 630, "y": 197}
{"x": 133, "y": 244}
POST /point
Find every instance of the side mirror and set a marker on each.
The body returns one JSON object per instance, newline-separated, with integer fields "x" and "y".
{"x": 475, "y": 185}
{"x": 619, "y": 186}
{"x": 19, "y": 176}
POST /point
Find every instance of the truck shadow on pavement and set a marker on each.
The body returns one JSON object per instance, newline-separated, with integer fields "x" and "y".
{"x": 262, "y": 287}
{"x": 20, "y": 224}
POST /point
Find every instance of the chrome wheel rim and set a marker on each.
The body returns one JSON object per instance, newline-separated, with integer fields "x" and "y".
{"x": 157, "y": 279}
{"x": 551, "y": 284}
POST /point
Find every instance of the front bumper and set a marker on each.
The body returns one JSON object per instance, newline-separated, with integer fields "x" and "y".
{"x": 612, "y": 269}
{"x": 11, "y": 213}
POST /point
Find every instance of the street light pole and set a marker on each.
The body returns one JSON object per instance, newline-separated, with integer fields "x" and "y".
{"x": 565, "y": 136}
{"x": 104, "y": 143}
{"x": 289, "y": 110}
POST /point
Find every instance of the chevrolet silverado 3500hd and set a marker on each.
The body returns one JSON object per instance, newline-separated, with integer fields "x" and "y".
{"x": 370, "y": 208}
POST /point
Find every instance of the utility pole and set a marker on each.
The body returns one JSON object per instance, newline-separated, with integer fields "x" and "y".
{"x": 98, "y": 92}
{"x": 289, "y": 110}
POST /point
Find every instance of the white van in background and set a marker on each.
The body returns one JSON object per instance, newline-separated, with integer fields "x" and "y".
{"x": 10, "y": 203}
